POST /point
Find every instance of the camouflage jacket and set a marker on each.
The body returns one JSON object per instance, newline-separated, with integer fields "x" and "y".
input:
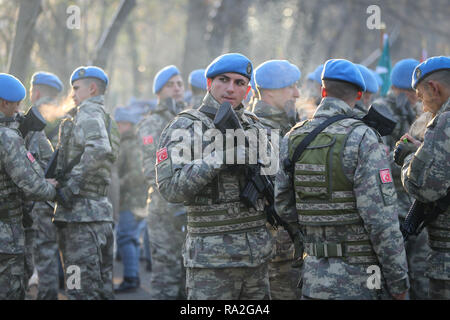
{"x": 86, "y": 134}
{"x": 426, "y": 177}
{"x": 363, "y": 160}
{"x": 191, "y": 179}
{"x": 129, "y": 164}
{"x": 148, "y": 131}
{"x": 196, "y": 101}
{"x": 20, "y": 175}
{"x": 274, "y": 118}
{"x": 405, "y": 115}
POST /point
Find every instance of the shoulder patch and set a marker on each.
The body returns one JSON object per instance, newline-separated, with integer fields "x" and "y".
{"x": 147, "y": 140}
{"x": 30, "y": 157}
{"x": 385, "y": 176}
{"x": 161, "y": 155}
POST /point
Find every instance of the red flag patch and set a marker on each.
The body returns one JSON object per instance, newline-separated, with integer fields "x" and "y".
{"x": 147, "y": 140}
{"x": 161, "y": 155}
{"x": 385, "y": 176}
{"x": 30, "y": 157}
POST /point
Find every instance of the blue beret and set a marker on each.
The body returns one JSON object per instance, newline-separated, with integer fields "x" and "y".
{"x": 402, "y": 73}
{"x": 316, "y": 75}
{"x": 230, "y": 62}
{"x": 48, "y": 79}
{"x": 197, "y": 79}
{"x": 11, "y": 89}
{"x": 89, "y": 72}
{"x": 377, "y": 77}
{"x": 276, "y": 74}
{"x": 343, "y": 70}
{"x": 127, "y": 114}
{"x": 163, "y": 76}
{"x": 429, "y": 66}
{"x": 369, "y": 79}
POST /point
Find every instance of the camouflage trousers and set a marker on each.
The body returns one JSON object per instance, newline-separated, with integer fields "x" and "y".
{"x": 28, "y": 254}
{"x": 12, "y": 280}
{"x": 284, "y": 281}
{"x": 45, "y": 255}
{"x": 242, "y": 283}
{"x": 417, "y": 250}
{"x": 166, "y": 242}
{"x": 87, "y": 254}
{"x": 439, "y": 289}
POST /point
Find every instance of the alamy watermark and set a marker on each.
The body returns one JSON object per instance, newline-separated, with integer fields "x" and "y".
{"x": 373, "y": 22}
{"x": 73, "y": 20}
{"x": 234, "y": 147}
{"x": 374, "y": 280}
{"x": 73, "y": 281}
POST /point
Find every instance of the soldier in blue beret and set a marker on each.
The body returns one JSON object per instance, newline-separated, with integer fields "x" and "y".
{"x": 21, "y": 176}
{"x": 164, "y": 222}
{"x": 88, "y": 146}
{"x": 197, "y": 84}
{"x": 276, "y": 82}
{"x": 132, "y": 198}
{"x": 220, "y": 253}
{"x": 402, "y": 103}
{"x": 316, "y": 204}
{"x": 426, "y": 167}
{"x": 41, "y": 249}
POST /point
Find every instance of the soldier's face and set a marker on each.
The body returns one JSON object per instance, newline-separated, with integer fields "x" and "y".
{"x": 229, "y": 87}
{"x": 427, "y": 92}
{"x": 283, "y": 96}
{"x": 174, "y": 88}
{"x": 9, "y": 108}
{"x": 81, "y": 90}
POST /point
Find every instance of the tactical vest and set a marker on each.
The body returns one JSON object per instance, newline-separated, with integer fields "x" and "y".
{"x": 324, "y": 196}
{"x": 217, "y": 209}
{"x": 94, "y": 185}
{"x": 10, "y": 196}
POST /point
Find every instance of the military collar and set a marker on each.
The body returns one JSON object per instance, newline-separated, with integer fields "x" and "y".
{"x": 262, "y": 108}
{"x": 445, "y": 107}
{"x": 329, "y": 107}
{"x": 99, "y": 100}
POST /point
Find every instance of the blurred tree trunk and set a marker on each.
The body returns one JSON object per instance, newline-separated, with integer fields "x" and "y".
{"x": 108, "y": 39}
{"x": 134, "y": 55}
{"x": 19, "y": 57}
{"x": 195, "y": 51}
{"x": 230, "y": 19}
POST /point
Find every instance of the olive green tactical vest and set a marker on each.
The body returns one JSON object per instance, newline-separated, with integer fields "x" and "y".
{"x": 324, "y": 195}
{"x": 217, "y": 209}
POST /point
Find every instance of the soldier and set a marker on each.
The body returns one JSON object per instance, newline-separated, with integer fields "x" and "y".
{"x": 132, "y": 198}
{"x": 371, "y": 83}
{"x": 42, "y": 242}
{"x": 197, "y": 84}
{"x": 425, "y": 172}
{"x": 276, "y": 82}
{"x": 165, "y": 220}
{"x": 401, "y": 100}
{"x": 341, "y": 194}
{"x": 20, "y": 174}
{"x": 227, "y": 245}
{"x": 88, "y": 147}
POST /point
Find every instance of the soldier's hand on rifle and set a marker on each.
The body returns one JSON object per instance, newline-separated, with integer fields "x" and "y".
{"x": 64, "y": 197}
{"x": 409, "y": 138}
{"x": 402, "y": 150}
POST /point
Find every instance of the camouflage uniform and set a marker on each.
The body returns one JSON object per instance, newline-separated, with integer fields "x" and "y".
{"x": 426, "y": 177}
{"x": 41, "y": 240}
{"x": 355, "y": 224}
{"x": 19, "y": 173}
{"x": 52, "y": 130}
{"x": 164, "y": 218}
{"x": 283, "y": 278}
{"x": 227, "y": 245}
{"x": 417, "y": 248}
{"x": 85, "y": 232}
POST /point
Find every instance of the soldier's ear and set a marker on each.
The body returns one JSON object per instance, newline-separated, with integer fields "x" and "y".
{"x": 209, "y": 83}
{"x": 359, "y": 95}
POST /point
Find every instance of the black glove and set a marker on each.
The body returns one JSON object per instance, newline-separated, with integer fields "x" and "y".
{"x": 64, "y": 197}
{"x": 402, "y": 150}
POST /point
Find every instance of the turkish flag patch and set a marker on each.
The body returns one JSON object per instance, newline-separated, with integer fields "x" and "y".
{"x": 147, "y": 140}
{"x": 30, "y": 157}
{"x": 385, "y": 176}
{"x": 161, "y": 155}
